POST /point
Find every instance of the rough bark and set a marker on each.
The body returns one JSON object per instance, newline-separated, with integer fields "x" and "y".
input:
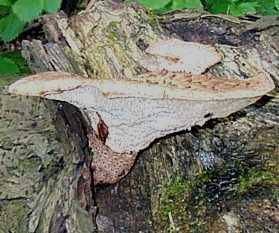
{"x": 45, "y": 179}
{"x": 188, "y": 182}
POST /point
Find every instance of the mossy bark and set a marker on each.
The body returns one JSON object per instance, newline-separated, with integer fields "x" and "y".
{"x": 198, "y": 181}
{"x": 44, "y": 155}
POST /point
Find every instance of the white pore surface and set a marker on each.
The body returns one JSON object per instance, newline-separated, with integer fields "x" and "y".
{"x": 134, "y": 122}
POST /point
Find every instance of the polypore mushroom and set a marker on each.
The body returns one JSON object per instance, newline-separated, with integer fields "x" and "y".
{"x": 179, "y": 56}
{"x": 134, "y": 113}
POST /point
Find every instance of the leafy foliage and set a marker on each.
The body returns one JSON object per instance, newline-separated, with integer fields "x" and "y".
{"x": 10, "y": 27}
{"x": 242, "y": 7}
{"x": 15, "y": 14}
{"x": 5, "y": 2}
{"x": 163, "y": 6}
{"x": 155, "y": 5}
{"x": 12, "y": 64}
{"x": 51, "y": 5}
{"x": 24, "y": 13}
{"x": 231, "y": 7}
{"x": 7, "y": 66}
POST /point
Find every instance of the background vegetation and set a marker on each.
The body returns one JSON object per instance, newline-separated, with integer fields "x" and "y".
{"x": 14, "y": 16}
{"x": 230, "y": 7}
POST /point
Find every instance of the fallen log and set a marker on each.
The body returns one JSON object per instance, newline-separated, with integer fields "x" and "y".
{"x": 107, "y": 42}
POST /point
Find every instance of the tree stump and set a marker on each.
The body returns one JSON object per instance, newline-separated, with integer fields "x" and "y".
{"x": 197, "y": 181}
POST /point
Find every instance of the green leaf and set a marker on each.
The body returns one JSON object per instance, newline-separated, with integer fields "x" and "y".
{"x": 10, "y": 27}
{"x": 218, "y": 6}
{"x": 233, "y": 7}
{"x": 243, "y": 8}
{"x": 10, "y": 73}
{"x": 248, "y": 7}
{"x": 7, "y": 67}
{"x": 52, "y": 5}
{"x": 26, "y": 10}
{"x": 267, "y": 7}
{"x": 17, "y": 58}
{"x": 4, "y": 10}
{"x": 190, "y": 4}
{"x": 154, "y": 4}
{"x": 234, "y": 10}
{"x": 5, "y": 3}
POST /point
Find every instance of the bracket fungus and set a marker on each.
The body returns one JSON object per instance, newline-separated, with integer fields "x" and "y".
{"x": 180, "y": 56}
{"x": 134, "y": 113}
{"x": 127, "y": 115}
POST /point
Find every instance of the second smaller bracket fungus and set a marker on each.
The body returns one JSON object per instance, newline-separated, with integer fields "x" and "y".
{"x": 175, "y": 55}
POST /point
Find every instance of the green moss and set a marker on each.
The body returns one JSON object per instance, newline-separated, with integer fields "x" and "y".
{"x": 153, "y": 20}
{"x": 181, "y": 199}
{"x": 275, "y": 193}
{"x": 255, "y": 178}
{"x": 76, "y": 60}
{"x": 13, "y": 217}
{"x": 173, "y": 205}
{"x": 30, "y": 164}
{"x": 187, "y": 205}
{"x": 114, "y": 33}
{"x": 7, "y": 80}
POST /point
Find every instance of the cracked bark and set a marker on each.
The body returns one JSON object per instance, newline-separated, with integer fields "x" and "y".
{"x": 46, "y": 180}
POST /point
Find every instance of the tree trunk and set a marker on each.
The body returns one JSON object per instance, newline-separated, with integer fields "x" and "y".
{"x": 203, "y": 180}
{"x": 45, "y": 181}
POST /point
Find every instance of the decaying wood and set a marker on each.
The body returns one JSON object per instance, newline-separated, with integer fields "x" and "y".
{"x": 107, "y": 42}
{"x": 45, "y": 182}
